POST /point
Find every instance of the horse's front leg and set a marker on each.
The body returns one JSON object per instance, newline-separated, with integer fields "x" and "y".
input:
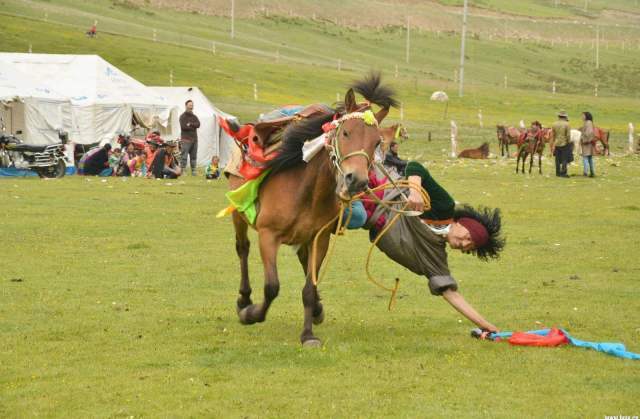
{"x": 242, "y": 249}
{"x": 269, "y": 245}
{"x": 530, "y": 163}
{"x": 313, "y": 310}
{"x": 540, "y": 162}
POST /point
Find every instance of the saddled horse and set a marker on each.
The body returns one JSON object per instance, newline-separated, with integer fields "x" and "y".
{"x": 481, "y": 152}
{"x": 507, "y": 136}
{"x": 602, "y": 136}
{"x": 297, "y": 199}
{"x": 533, "y": 144}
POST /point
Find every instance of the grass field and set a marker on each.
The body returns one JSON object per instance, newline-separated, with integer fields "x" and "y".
{"x": 118, "y": 300}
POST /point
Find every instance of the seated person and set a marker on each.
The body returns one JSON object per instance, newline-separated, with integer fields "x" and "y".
{"x": 114, "y": 159}
{"x": 394, "y": 164}
{"x": 164, "y": 165}
{"x": 213, "y": 171}
{"x": 98, "y": 163}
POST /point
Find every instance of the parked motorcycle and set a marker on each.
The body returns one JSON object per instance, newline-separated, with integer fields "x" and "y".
{"x": 46, "y": 160}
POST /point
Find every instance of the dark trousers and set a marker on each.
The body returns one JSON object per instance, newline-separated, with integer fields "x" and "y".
{"x": 561, "y": 160}
{"x": 188, "y": 151}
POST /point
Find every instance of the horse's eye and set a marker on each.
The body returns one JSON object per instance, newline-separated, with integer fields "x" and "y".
{"x": 345, "y": 133}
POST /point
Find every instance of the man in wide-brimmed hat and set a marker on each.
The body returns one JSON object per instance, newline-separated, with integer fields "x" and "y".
{"x": 561, "y": 143}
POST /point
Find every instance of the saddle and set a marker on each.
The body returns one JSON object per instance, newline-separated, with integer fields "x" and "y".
{"x": 259, "y": 142}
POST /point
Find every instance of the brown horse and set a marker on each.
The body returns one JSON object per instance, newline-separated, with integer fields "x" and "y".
{"x": 602, "y": 136}
{"x": 532, "y": 145}
{"x": 297, "y": 199}
{"x": 481, "y": 152}
{"x": 506, "y": 136}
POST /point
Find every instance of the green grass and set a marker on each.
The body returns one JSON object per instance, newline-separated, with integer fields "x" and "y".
{"x": 118, "y": 300}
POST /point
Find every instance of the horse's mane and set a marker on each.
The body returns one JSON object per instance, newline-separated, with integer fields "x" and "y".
{"x": 371, "y": 89}
{"x": 290, "y": 151}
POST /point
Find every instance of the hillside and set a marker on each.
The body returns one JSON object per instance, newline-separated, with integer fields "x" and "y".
{"x": 301, "y": 59}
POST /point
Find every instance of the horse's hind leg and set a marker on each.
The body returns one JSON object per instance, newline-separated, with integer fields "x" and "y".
{"x": 242, "y": 249}
{"x": 269, "y": 245}
{"x": 313, "y": 312}
{"x": 531, "y": 162}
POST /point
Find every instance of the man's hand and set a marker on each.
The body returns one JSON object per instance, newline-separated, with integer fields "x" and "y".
{"x": 415, "y": 202}
{"x": 459, "y": 303}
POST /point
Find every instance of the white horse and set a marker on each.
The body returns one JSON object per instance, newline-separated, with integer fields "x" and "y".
{"x": 575, "y": 140}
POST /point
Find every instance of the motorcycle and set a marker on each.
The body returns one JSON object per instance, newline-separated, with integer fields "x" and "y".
{"x": 48, "y": 161}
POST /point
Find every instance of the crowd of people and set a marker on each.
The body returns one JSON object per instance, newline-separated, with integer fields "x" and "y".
{"x": 153, "y": 158}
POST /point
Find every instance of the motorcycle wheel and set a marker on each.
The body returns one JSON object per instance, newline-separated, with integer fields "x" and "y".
{"x": 56, "y": 171}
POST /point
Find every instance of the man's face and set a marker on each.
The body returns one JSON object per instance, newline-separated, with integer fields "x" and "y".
{"x": 394, "y": 148}
{"x": 190, "y": 106}
{"x": 459, "y": 238}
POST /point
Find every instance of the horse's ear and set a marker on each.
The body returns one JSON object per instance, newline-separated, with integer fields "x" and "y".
{"x": 381, "y": 114}
{"x": 350, "y": 104}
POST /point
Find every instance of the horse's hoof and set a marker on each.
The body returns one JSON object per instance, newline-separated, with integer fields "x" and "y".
{"x": 241, "y": 304}
{"x": 245, "y": 316}
{"x": 312, "y": 343}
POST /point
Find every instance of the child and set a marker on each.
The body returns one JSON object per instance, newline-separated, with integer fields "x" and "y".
{"x": 212, "y": 171}
{"x": 114, "y": 160}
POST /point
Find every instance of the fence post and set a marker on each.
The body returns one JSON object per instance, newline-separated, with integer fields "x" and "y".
{"x": 454, "y": 139}
{"x": 553, "y": 87}
{"x": 213, "y": 47}
{"x": 171, "y": 78}
{"x": 255, "y": 91}
{"x": 30, "y": 48}
{"x": 631, "y": 130}
{"x": 480, "y": 118}
{"x": 596, "y": 90}
{"x": 505, "y": 81}
{"x": 339, "y": 64}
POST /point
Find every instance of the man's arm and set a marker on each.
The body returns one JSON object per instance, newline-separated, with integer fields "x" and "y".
{"x": 184, "y": 126}
{"x": 196, "y": 123}
{"x": 459, "y": 303}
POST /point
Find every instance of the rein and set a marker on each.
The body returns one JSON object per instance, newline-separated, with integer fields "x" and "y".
{"x": 341, "y": 227}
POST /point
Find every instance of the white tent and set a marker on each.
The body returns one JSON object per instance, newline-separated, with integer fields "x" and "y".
{"x": 31, "y": 110}
{"x": 104, "y": 99}
{"x": 212, "y": 140}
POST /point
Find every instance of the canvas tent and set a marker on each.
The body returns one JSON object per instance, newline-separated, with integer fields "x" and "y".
{"x": 212, "y": 140}
{"x": 31, "y": 110}
{"x": 104, "y": 100}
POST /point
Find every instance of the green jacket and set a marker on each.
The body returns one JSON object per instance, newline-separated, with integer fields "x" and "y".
{"x": 561, "y": 133}
{"x": 442, "y": 204}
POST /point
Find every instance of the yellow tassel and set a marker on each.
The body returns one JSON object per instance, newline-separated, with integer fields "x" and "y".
{"x": 226, "y": 211}
{"x": 369, "y": 118}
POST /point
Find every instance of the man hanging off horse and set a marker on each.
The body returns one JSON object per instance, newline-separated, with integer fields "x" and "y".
{"x": 419, "y": 243}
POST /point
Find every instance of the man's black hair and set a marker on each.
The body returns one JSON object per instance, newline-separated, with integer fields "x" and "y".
{"x": 187, "y": 102}
{"x": 491, "y": 219}
{"x": 588, "y": 116}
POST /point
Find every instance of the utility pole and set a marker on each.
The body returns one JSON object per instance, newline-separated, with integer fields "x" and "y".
{"x": 408, "y": 40}
{"x": 233, "y": 31}
{"x": 464, "y": 34}
{"x": 597, "y": 47}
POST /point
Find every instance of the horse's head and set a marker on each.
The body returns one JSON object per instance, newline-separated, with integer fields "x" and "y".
{"x": 356, "y": 136}
{"x": 501, "y": 130}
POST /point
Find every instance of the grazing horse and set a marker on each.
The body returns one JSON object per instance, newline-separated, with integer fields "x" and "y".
{"x": 296, "y": 199}
{"x": 481, "y": 152}
{"x": 533, "y": 144}
{"x": 603, "y": 137}
{"x": 506, "y": 136}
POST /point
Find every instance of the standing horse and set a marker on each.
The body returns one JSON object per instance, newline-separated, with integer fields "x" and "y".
{"x": 297, "y": 199}
{"x": 533, "y": 144}
{"x": 506, "y": 136}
